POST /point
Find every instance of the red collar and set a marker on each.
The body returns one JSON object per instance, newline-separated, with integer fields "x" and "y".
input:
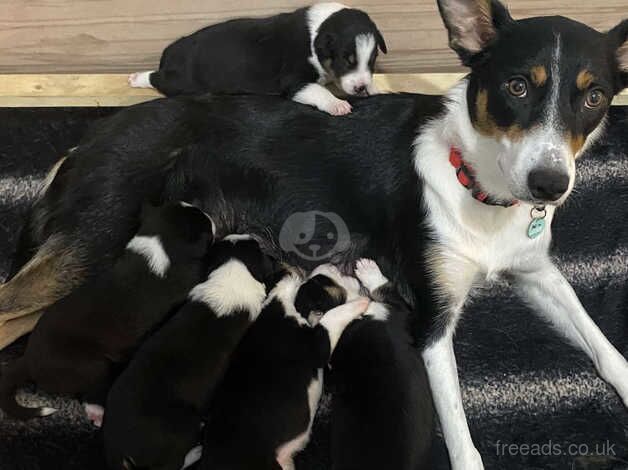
{"x": 466, "y": 177}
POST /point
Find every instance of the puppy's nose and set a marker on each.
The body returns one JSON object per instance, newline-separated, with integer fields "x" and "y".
{"x": 548, "y": 185}
{"x": 360, "y": 90}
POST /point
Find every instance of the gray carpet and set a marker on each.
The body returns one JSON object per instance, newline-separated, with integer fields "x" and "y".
{"x": 522, "y": 384}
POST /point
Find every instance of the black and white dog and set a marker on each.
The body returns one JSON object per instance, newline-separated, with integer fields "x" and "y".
{"x": 84, "y": 339}
{"x": 444, "y": 193}
{"x": 262, "y": 413}
{"x": 154, "y": 409}
{"x": 292, "y": 54}
{"x": 381, "y": 413}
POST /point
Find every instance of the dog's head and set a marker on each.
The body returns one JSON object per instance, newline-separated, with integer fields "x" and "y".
{"x": 325, "y": 289}
{"x": 539, "y": 90}
{"x": 183, "y": 229}
{"x": 347, "y": 46}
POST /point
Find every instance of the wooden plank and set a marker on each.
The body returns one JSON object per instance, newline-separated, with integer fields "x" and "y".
{"x": 110, "y": 36}
{"x": 112, "y": 89}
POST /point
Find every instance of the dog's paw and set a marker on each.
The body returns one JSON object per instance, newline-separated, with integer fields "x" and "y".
{"x": 339, "y": 108}
{"x": 377, "y": 311}
{"x": 140, "y": 80}
{"x": 470, "y": 460}
{"x": 193, "y": 456}
{"x": 359, "y": 306}
{"x": 369, "y": 274}
{"x": 94, "y": 413}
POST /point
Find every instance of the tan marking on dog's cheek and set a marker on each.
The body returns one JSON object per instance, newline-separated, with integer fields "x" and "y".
{"x": 584, "y": 80}
{"x": 538, "y": 74}
{"x": 485, "y": 124}
{"x": 576, "y": 142}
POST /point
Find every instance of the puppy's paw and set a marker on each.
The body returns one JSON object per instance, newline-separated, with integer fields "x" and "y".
{"x": 339, "y": 108}
{"x": 369, "y": 274}
{"x": 140, "y": 80}
{"x": 359, "y": 306}
{"x": 193, "y": 456}
{"x": 377, "y": 311}
{"x": 94, "y": 413}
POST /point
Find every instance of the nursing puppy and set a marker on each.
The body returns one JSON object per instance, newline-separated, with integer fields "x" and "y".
{"x": 154, "y": 409}
{"x": 83, "y": 338}
{"x": 293, "y": 54}
{"x": 382, "y": 412}
{"x": 263, "y": 412}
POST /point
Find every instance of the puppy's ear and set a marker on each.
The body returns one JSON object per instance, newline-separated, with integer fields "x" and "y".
{"x": 324, "y": 46}
{"x": 472, "y": 24}
{"x": 618, "y": 37}
{"x": 380, "y": 41}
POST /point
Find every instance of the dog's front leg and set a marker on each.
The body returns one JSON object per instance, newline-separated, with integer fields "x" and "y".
{"x": 454, "y": 278}
{"x": 549, "y": 293}
{"x": 442, "y": 372}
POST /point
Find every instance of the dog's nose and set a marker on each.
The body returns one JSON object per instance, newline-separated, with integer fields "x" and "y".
{"x": 548, "y": 185}
{"x": 360, "y": 90}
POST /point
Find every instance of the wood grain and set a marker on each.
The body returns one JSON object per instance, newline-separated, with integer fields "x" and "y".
{"x": 98, "y": 36}
{"x": 112, "y": 89}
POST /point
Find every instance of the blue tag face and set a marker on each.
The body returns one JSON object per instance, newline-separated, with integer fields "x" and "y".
{"x": 536, "y": 228}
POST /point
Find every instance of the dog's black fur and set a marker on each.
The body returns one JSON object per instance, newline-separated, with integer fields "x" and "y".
{"x": 154, "y": 409}
{"x": 381, "y": 412}
{"x": 83, "y": 339}
{"x": 263, "y": 401}
{"x": 262, "y": 55}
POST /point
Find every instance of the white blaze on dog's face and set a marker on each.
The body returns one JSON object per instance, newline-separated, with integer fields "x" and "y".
{"x": 347, "y": 45}
{"x": 537, "y": 97}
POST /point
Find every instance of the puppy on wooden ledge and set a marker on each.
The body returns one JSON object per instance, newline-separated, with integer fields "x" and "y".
{"x": 292, "y": 54}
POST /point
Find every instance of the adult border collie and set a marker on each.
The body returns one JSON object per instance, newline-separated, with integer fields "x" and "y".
{"x": 443, "y": 193}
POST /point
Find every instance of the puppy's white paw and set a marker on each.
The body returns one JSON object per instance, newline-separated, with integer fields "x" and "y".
{"x": 140, "y": 80}
{"x": 94, "y": 413}
{"x": 377, "y": 311}
{"x": 369, "y": 274}
{"x": 193, "y": 456}
{"x": 339, "y": 108}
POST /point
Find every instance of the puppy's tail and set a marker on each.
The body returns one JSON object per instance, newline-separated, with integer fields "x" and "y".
{"x": 14, "y": 377}
{"x": 55, "y": 270}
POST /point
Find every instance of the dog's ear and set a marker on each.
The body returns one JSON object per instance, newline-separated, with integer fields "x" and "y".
{"x": 380, "y": 41}
{"x": 472, "y": 24}
{"x": 324, "y": 45}
{"x": 618, "y": 37}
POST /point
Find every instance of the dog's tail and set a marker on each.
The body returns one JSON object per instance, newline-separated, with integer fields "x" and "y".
{"x": 12, "y": 379}
{"x": 55, "y": 270}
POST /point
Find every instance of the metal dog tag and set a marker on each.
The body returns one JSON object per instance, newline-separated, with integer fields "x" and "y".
{"x": 537, "y": 225}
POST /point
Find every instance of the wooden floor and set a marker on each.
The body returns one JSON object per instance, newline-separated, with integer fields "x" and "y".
{"x": 112, "y": 36}
{"x": 112, "y": 89}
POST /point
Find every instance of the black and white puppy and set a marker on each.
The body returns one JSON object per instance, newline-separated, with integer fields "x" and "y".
{"x": 154, "y": 409}
{"x": 262, "y": 414}
{"x": 293, "y": 54}
{"x": 382, "y": 412}
{"x": 82, "y": 340}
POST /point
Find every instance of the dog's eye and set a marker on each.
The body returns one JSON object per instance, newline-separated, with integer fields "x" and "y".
{"x": 594, "y": 98}
{"x": 517, "y": 87}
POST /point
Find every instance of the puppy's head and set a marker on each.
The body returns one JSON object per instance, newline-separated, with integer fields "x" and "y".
{"x": 183, "y": 230}
{"x": 325, "y": 289}
{"x": 347, "y": 46}
{"x": 538, "y": 91}
{"x": 247, "y": 249}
